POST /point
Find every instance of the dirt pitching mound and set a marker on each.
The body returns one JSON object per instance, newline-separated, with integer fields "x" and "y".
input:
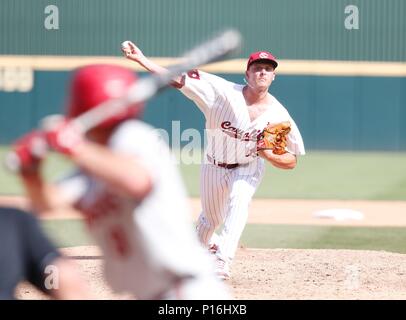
{"x": 318, "y": 274}
{"x": 281, "y": 274}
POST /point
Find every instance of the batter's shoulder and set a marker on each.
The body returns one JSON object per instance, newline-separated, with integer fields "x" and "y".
{"x": 134, "y": 125}
{"x": 134, "y": 132}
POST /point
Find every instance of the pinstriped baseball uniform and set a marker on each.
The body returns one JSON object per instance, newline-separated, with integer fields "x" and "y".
{"x": 231, "y": 139}
{"x": 150, "y": 248}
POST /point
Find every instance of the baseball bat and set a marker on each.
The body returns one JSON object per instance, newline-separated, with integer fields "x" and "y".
{"x": 214, "y": 49}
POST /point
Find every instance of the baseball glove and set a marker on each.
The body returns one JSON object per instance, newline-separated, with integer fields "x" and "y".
{"x": 273, "y": 137}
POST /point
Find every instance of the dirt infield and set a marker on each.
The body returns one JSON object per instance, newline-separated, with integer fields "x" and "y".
{"x": 299, "y": 212}
{"x": 289, "y": 273}
{"x": 282, "y": 274}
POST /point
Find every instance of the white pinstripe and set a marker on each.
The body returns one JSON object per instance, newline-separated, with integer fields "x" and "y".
{"x": 226, "y": 195}
{"x": 214, "y": 194}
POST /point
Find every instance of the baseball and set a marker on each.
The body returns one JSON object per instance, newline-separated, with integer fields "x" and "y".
{"x": 126, "y": 45}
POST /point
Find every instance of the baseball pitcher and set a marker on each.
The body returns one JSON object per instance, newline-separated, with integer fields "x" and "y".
{"x": 245, "y": 125}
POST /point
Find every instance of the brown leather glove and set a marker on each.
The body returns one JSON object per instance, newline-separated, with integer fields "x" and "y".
{"x": 273, "y": 137}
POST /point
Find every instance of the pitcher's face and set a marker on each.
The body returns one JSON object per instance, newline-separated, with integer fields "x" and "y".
{"x": 260, "y": 75}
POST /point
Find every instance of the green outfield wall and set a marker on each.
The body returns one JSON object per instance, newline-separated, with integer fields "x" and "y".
{"x": 346, "y": 88}
{"x": 340, "y": 113}
{"x": 291, "y": 29}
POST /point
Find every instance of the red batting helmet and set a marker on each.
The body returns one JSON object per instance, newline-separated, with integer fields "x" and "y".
{"x": 94, "y": 84}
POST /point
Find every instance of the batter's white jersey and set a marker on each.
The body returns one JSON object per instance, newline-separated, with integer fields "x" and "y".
{"x": 231, "y": 139}
{"x": 231, "y": 135}
{"x": 147, "y": 246}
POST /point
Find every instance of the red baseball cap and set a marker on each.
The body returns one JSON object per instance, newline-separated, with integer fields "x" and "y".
{"x": 262, "y": 55}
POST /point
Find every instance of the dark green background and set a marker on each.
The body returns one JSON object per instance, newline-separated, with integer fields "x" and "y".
{"x": 291, "y": 29}
{"x": 332, "y": 113}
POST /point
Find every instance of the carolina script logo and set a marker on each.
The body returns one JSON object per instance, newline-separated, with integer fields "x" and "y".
{"x": 240, "y": 134}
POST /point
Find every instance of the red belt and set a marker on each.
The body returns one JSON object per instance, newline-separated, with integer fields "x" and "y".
{"x": 223, "y": 165}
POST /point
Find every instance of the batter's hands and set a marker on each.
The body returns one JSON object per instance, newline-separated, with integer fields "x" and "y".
{"x": 64, "y": 137}
{"x": 131, "y": 51}
{"x": 28, "y": 153}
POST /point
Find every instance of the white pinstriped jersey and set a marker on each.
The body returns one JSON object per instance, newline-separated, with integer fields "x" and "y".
{"x": 231, "y": 135}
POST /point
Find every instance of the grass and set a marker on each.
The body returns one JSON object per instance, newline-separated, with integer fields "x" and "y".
{"x": 392, "y": 239}
{"x": 53, "y": 167}
{"x": 339, "y": 175}
{"x": 69, "y": 233}
{"x": 318, "y": 175}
